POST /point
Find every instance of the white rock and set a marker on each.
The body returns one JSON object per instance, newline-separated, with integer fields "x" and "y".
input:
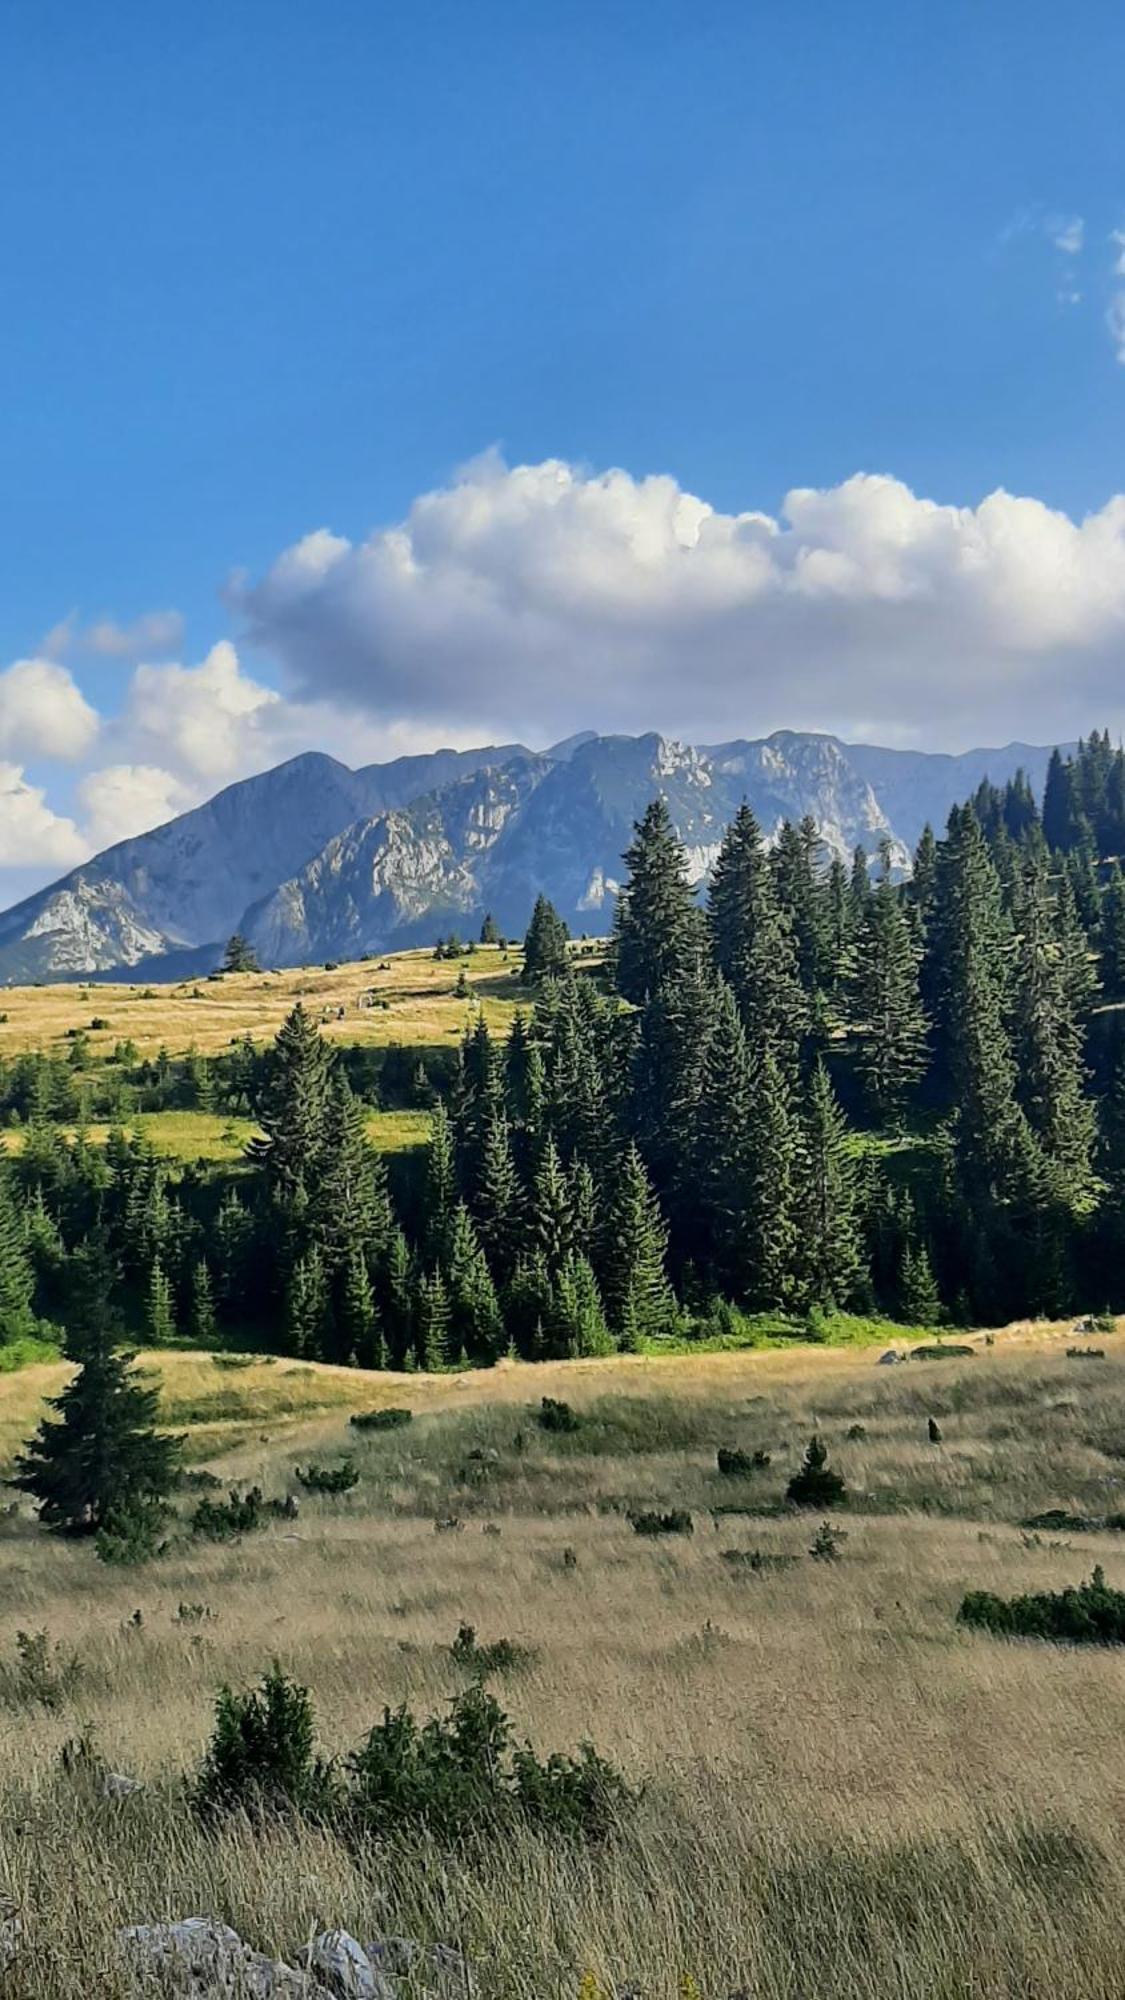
{"x": 115, "y": 1785}
{"x": 341, "y": 1963}
{"x": 202, "y": 1959}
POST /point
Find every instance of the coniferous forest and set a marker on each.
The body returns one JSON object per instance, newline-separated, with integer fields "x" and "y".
{"x": 807, "y": 1089}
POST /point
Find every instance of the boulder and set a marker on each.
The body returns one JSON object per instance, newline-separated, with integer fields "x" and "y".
{"x": 116, "y": 1785}
{"x": 889, "y": 1359}
{"x": 340, "y": 1962}
{"x": 202, "y": 1959}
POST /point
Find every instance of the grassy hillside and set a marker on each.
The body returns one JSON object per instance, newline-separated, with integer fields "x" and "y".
{"x": 844, "y": 1791}
{"x": 417, "y": 1006}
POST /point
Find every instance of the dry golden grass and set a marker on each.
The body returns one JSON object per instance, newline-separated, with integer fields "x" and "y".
{"x": 845, "y": 1792}
{"x": 422, "y": 1007}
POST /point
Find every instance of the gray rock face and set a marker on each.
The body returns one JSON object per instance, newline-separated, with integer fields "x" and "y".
{"x": 313, "y": 860}
{"x": 340, "y": 1962}
{"x": 199, "y": 1958}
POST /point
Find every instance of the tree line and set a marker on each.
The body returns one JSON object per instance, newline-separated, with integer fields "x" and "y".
{"x": 812, "y": 1088}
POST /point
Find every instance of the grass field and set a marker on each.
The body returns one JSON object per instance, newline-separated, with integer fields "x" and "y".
{"x": 843, "y": 1791}
{"x": 210, "y": 1135}
{"x": 421, "y": 1006}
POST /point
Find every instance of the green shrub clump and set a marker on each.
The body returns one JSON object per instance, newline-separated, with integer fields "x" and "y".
{"x": 500, "y": 1656}
{"x": 452, "y": 1776}
{"x": 239, "y": 1514}
{"x": 816, "y": 1484}
{"x": 652, "y": 1522}
{"x": 329, "y": 1478}
{"x": 390, "y": 1419}
{"x": 735, "y": 1464}
{"x": 556, "y": 1416}
{"x": 1090, "y": 1615}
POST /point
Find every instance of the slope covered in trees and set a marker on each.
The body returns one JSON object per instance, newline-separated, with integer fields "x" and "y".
{"x": 808, "y": 1089}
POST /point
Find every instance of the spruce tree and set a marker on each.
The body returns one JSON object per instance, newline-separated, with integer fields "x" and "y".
{"x": 360, "y": 1339}
{"x": 550, "y": 1224}
{"x": 476, "y": 1328}
{"x": 576, "y": 1324}
{"x": 398, "y": 1299}
{"x": 239, "y": 955}
{"x": 638, "y": 1296}
{"x": 431, "y": 1322}
{"x": 830, "y": 1248}
{"x": 498, "y": 1204}
{"x": 656, "y": 921}
{"x": 545, "y": 954}
{"x": 102, "y": 1459}
{"x": 17, "y": 1278}
{"x": 1049, "y": 1045}
{"x": 440, "y": 1187}
{"x": 160, "y": 1322}
{"x": 528, "y": 1304}
{"x": 891, "y": 1050}
{"x": 308, "y": 1307}
{"x": 202, "y": 1305}
{"x": 752, "y": 942}
{"x": 293, "y": 1107}
{"x": 1111, "y": 936}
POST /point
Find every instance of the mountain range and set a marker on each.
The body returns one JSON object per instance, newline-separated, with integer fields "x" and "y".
{"x": 312, "y": 860}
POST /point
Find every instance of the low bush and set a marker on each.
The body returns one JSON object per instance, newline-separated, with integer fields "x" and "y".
{"x": 1085, "y": 1353}
{"x": 735, "y": 1464}
{"x": 1056, "y": 1520}
{"x": 132, "y": 1535}
{"x": 1090, "y": 1615}
{"x": 758, "y": 1561}
{"x": 816, "y": 1484}
{"x": 42, "y": 1675}
{"x": 261, "y": 1758}
{"x": 222, "y": 1360}
{"x": 826, "y": 1544}
{"x": 239, "y": 1514}
{"x": 941, "y": 1351}
{"x": 556, "y": 1416}
{"x": 459, "y": 1774}
{"x": 449, "y": 1777}
{"x": 390, "y": 1419}
{"x": 331, "y": 1479}
{"x": 652, "y": 1522}
{"x": 500, "y": 1656}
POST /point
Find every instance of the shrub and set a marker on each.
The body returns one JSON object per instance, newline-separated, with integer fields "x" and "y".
{"x": 239, "y": 1514}
{"x": 1085, "y": 1353}
{"x": 816, "y": 1485}
{"x": 132, "y": 1535}
{"x": 857, "y": 1432}
{"x": 555, "y": 1416}
{"x": 732, "y": 1463}
{"x": 826, "y": 1543}
{"x": 933, "y": 1430}
{"x": 390, "y": 1419}
{"x": 261, "y": 1758}
{"x": 941, "y": 1351}
{"x": 1090, "y": 1615}
{"x": 42, "y": 1675}
{"x": 1056, "y": 1520}
{"x": 502, "y": 1656}
{"x": 459, "y": 1773}
{"x": 329, "y": 1478}
{"x": 676, "y": 1522}
{"x": 234, "y": 1360}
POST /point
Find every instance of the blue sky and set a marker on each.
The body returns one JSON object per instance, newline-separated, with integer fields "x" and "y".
{"x": 274, "y": 269}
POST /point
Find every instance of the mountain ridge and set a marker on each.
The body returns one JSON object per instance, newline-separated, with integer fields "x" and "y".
{"x": 312, "y": 859}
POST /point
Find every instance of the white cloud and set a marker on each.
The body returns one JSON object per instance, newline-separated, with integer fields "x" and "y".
{"x": 1066, "y": 232}
{"x": 541, "y": 598}
{"x": 43, "y": 713}
{"x": 152, "y": 632}
{"x": 123, "y": 799}
{"x": 1117, "y": 238}
{"x": 31, "y": 834}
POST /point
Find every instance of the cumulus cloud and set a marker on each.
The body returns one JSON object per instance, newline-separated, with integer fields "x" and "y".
{"x": 43, "y": 713}
{"x": 542, "y": 598}
{"x": 31, "y": 834}
{"x": 153, "y": 632}
{"x": 123, "y": 799}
